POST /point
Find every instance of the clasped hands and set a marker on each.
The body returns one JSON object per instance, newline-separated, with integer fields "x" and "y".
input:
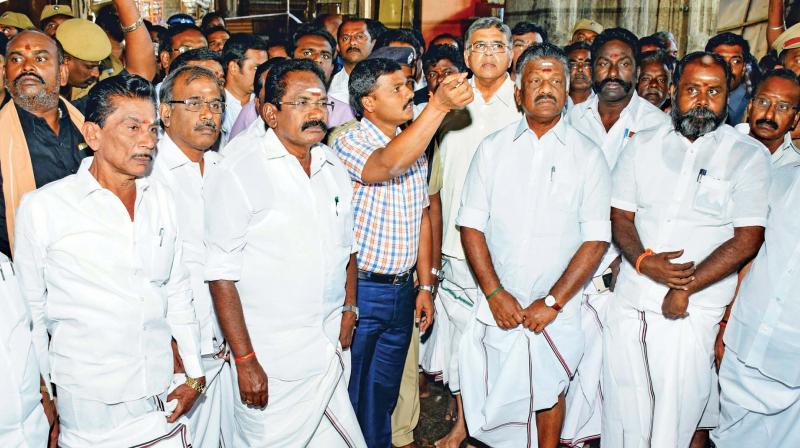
{"x": 508, "y": 313}
{"x": 677, "y": 276}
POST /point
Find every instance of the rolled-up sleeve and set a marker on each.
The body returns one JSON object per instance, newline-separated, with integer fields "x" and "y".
{"x": 29, "y": 261}
{"x": 227, "y": 217}
{"x": 181, "y": 316}
{"x": 750, "y": 192}
{"x": 594, "y": 214}
{"x": 623, "y": 179}
{"x": 474, "y": 210}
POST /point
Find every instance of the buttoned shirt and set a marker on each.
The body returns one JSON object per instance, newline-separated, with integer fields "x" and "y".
{"x": 110, "y": 292}
{"x": 690, "y": 196}
{"x": 185, "y": 182}
{"x": 536, "y": 200}
{"x": 339, "y": 87}
{"x": 460, "y": 134}
{"x": 762, "y": 329}
{"x": 232, "y": 109}
{"x": 285, "y": 238}
{"x": 387, "y": 214}
{"x": 786, "y": 154}
{"x": 637, "y": 116}
{"x": 22, "y": 420}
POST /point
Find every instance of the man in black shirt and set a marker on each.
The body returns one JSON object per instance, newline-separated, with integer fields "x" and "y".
{"x": 42, "y": 140}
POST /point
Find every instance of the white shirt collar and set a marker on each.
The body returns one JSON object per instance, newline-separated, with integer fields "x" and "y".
{"x": 88, "y": 184}
{"x": 173, "y": 157}
{"x": 505, "y": 93}
{"x": 559, "y": 130}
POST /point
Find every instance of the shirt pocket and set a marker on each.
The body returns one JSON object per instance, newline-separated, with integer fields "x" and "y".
{"x": 162, "y": 254}
{"x": 712, "y": 196}
{"x": 560, "y": 209}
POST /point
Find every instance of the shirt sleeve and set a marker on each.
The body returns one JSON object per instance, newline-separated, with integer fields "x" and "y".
{"x": 623, "y": 179}
{"x": 594, "y": 214}
{"x": 750, "y": 192}
{"x": 353, "y": 153}
{"x": 29, "y": 257}
{"x": 474, "y": 211}
{"x": 227, "y": 218}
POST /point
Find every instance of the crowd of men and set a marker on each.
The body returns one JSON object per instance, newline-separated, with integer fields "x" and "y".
{"x": 216, "y": 239}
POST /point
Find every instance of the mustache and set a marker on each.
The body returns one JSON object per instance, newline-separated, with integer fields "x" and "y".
{"x": 142, "y": 154}
{"x": 354, "y": 50}
{"x": 314, "y": 124}
{"x": 27, "y": 74}
{"x": 626, "y": 86}
{"x": 581, "y": 76}
{"x": 767, "y": 122}
{"x": 544, "y": 96}
{"x": 205, "y": 124}
{"x": 697, "y": 122}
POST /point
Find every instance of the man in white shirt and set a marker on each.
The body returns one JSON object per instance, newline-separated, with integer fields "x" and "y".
{"x": 689, "y": 205}
{"x": 773, "y": 113}
{"x": 609, "y": 118}
{"x": 279, "y": 235}
{"x": 534, "y": 223}
{"x": 760, "y": 376}
{"x": 240, "y": 57}
{"x": 356, "y": 39}
{"x": 22, "y": 418}
{"x": 191, "y": 111}
{"x": 101, "y": 265}
{"x": 488, "y": 55}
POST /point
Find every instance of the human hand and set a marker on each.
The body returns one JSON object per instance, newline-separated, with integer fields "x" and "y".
{"x": 675, "y": 304}
{"x": 253, "y": 387}
{"x": 506, "y": 310}
{"x": 675, "y": 275}
{"x": 454, "y": 92}
{"x": 424, "y": 310}
{"x": 186, "y": 396}
{"x": 538, "y": 315}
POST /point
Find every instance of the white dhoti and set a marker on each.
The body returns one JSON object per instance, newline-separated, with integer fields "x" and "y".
{"x": 90, "y": 423}
{"x": 656, "y": 375}
{"x": 756, "y": 409}
{"x": 308, "y": 412}
{"x": 211, "y": 417}
{"x": 585, "y": 396}
{"x": 457, "y": 297}
{"x": 506, "y": 376}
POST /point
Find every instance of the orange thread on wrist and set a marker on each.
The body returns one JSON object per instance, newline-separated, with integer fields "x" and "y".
{"x": 645, "y": 254}
{"x": 244, "y": 357}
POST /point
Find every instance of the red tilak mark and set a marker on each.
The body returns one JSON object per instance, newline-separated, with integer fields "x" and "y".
{"x": 547, "y": 69}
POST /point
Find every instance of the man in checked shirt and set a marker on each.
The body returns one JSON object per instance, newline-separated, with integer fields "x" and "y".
{"x": 392, "y": 229}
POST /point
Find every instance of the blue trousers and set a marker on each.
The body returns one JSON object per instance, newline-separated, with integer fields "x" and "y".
{"x": 379, "y": 349}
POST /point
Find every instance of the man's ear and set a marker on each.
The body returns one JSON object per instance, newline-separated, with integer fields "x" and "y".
{"x": 518, "y": 95}
{"x": 165, "y": 110}
{"x": 269, "y": 115}
{"x": 92, "y": 135}
{"x": 368, "y": 103}
{"x": 163, "y": 58}
{"x": 233, "y": 66}
{"x": 63, "y": 72}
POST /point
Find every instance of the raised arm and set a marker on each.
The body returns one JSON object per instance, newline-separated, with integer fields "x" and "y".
{"x": 139, "y": 57}
{"x": 775, "y": 24}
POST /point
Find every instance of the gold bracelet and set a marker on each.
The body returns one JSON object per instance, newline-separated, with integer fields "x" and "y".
{"x": 135, "y": 26}
{"x": 195, "y": 384}
{"x": 44, "y": 390}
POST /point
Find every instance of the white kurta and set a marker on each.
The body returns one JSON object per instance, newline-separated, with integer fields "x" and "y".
{"x": 690, "y": 196}
{"x": 584, "y": 399}
{"x": 110, "y": 293}
{"x": 286, "y": 239}
{"x": 339, "y": 86}
{"x": 232, "y": 109}
{"x": 460, "y": 134}
{"x": 528, "y": 196}
{"x": 760, "y": 374}
{"x": 212, "y": 416}
{"x": 22, "y": 419}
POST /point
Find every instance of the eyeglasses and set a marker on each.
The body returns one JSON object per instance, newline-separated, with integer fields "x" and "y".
{"x": 781, "y": 107}
{"x": 216, "y": 106}
{"x": 182, "y": 49}
{"x": 433, "y": 76}
{"x": 488, "y": 47}
{"x": 306, "y": 105}
{"x": 580, "y": 64}
{"x": 358, "y": 37}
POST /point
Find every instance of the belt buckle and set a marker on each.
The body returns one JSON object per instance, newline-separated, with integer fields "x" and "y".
{"x": 399, "y": 279}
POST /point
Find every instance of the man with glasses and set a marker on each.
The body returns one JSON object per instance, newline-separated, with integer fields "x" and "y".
{"x": 241, "y": 55}
{"x": 356, "y": 40}
{"x": 191, "y": 113}
{"x": 579, "y": 56}
{"x": 488, "y": 54}
{"x": 773, "y": 113}
{"x": 610, "y": 118}
{"x": 178, "y": 40}
{"x": 281, "y": 269}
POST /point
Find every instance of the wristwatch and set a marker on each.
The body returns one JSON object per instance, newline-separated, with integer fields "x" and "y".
{"x": 352, "y": 309}
{"x": 428, "y": 288}
{"x": 195, "y": 384}
{"x": 551, "y": 302}
{"x": 438, "y": 273}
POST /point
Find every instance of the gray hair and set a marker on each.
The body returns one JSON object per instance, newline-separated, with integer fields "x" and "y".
{"x": 193, "y": 72}
{"x": 485, "y": 23}
{"x": 541, "y": 51}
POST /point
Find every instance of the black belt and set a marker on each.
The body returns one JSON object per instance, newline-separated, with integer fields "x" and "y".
{"x": 390, "y": 279}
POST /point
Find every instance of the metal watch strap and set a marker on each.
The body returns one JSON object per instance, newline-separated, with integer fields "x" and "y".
{"x": 351, "y": 308}
{"x": 195, "y": 384}
{"x": 428, "y": 288}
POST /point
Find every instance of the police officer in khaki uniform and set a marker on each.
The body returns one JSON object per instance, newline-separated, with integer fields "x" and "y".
{"x": 12, "y": 23}
{"x": 53, "y": 16}
{"x": 85, "y": 47}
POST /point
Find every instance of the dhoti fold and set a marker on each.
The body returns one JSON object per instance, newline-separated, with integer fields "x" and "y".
{"x": 657, "y": 374}
{"x": 584, "y": 396}
{"x": 211, "y": 417}
{"x": 756, "y": 409}
{"x": 508, "y": 375}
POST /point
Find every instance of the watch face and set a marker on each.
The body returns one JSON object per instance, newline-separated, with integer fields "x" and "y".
{"x": 549, "y": 300}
